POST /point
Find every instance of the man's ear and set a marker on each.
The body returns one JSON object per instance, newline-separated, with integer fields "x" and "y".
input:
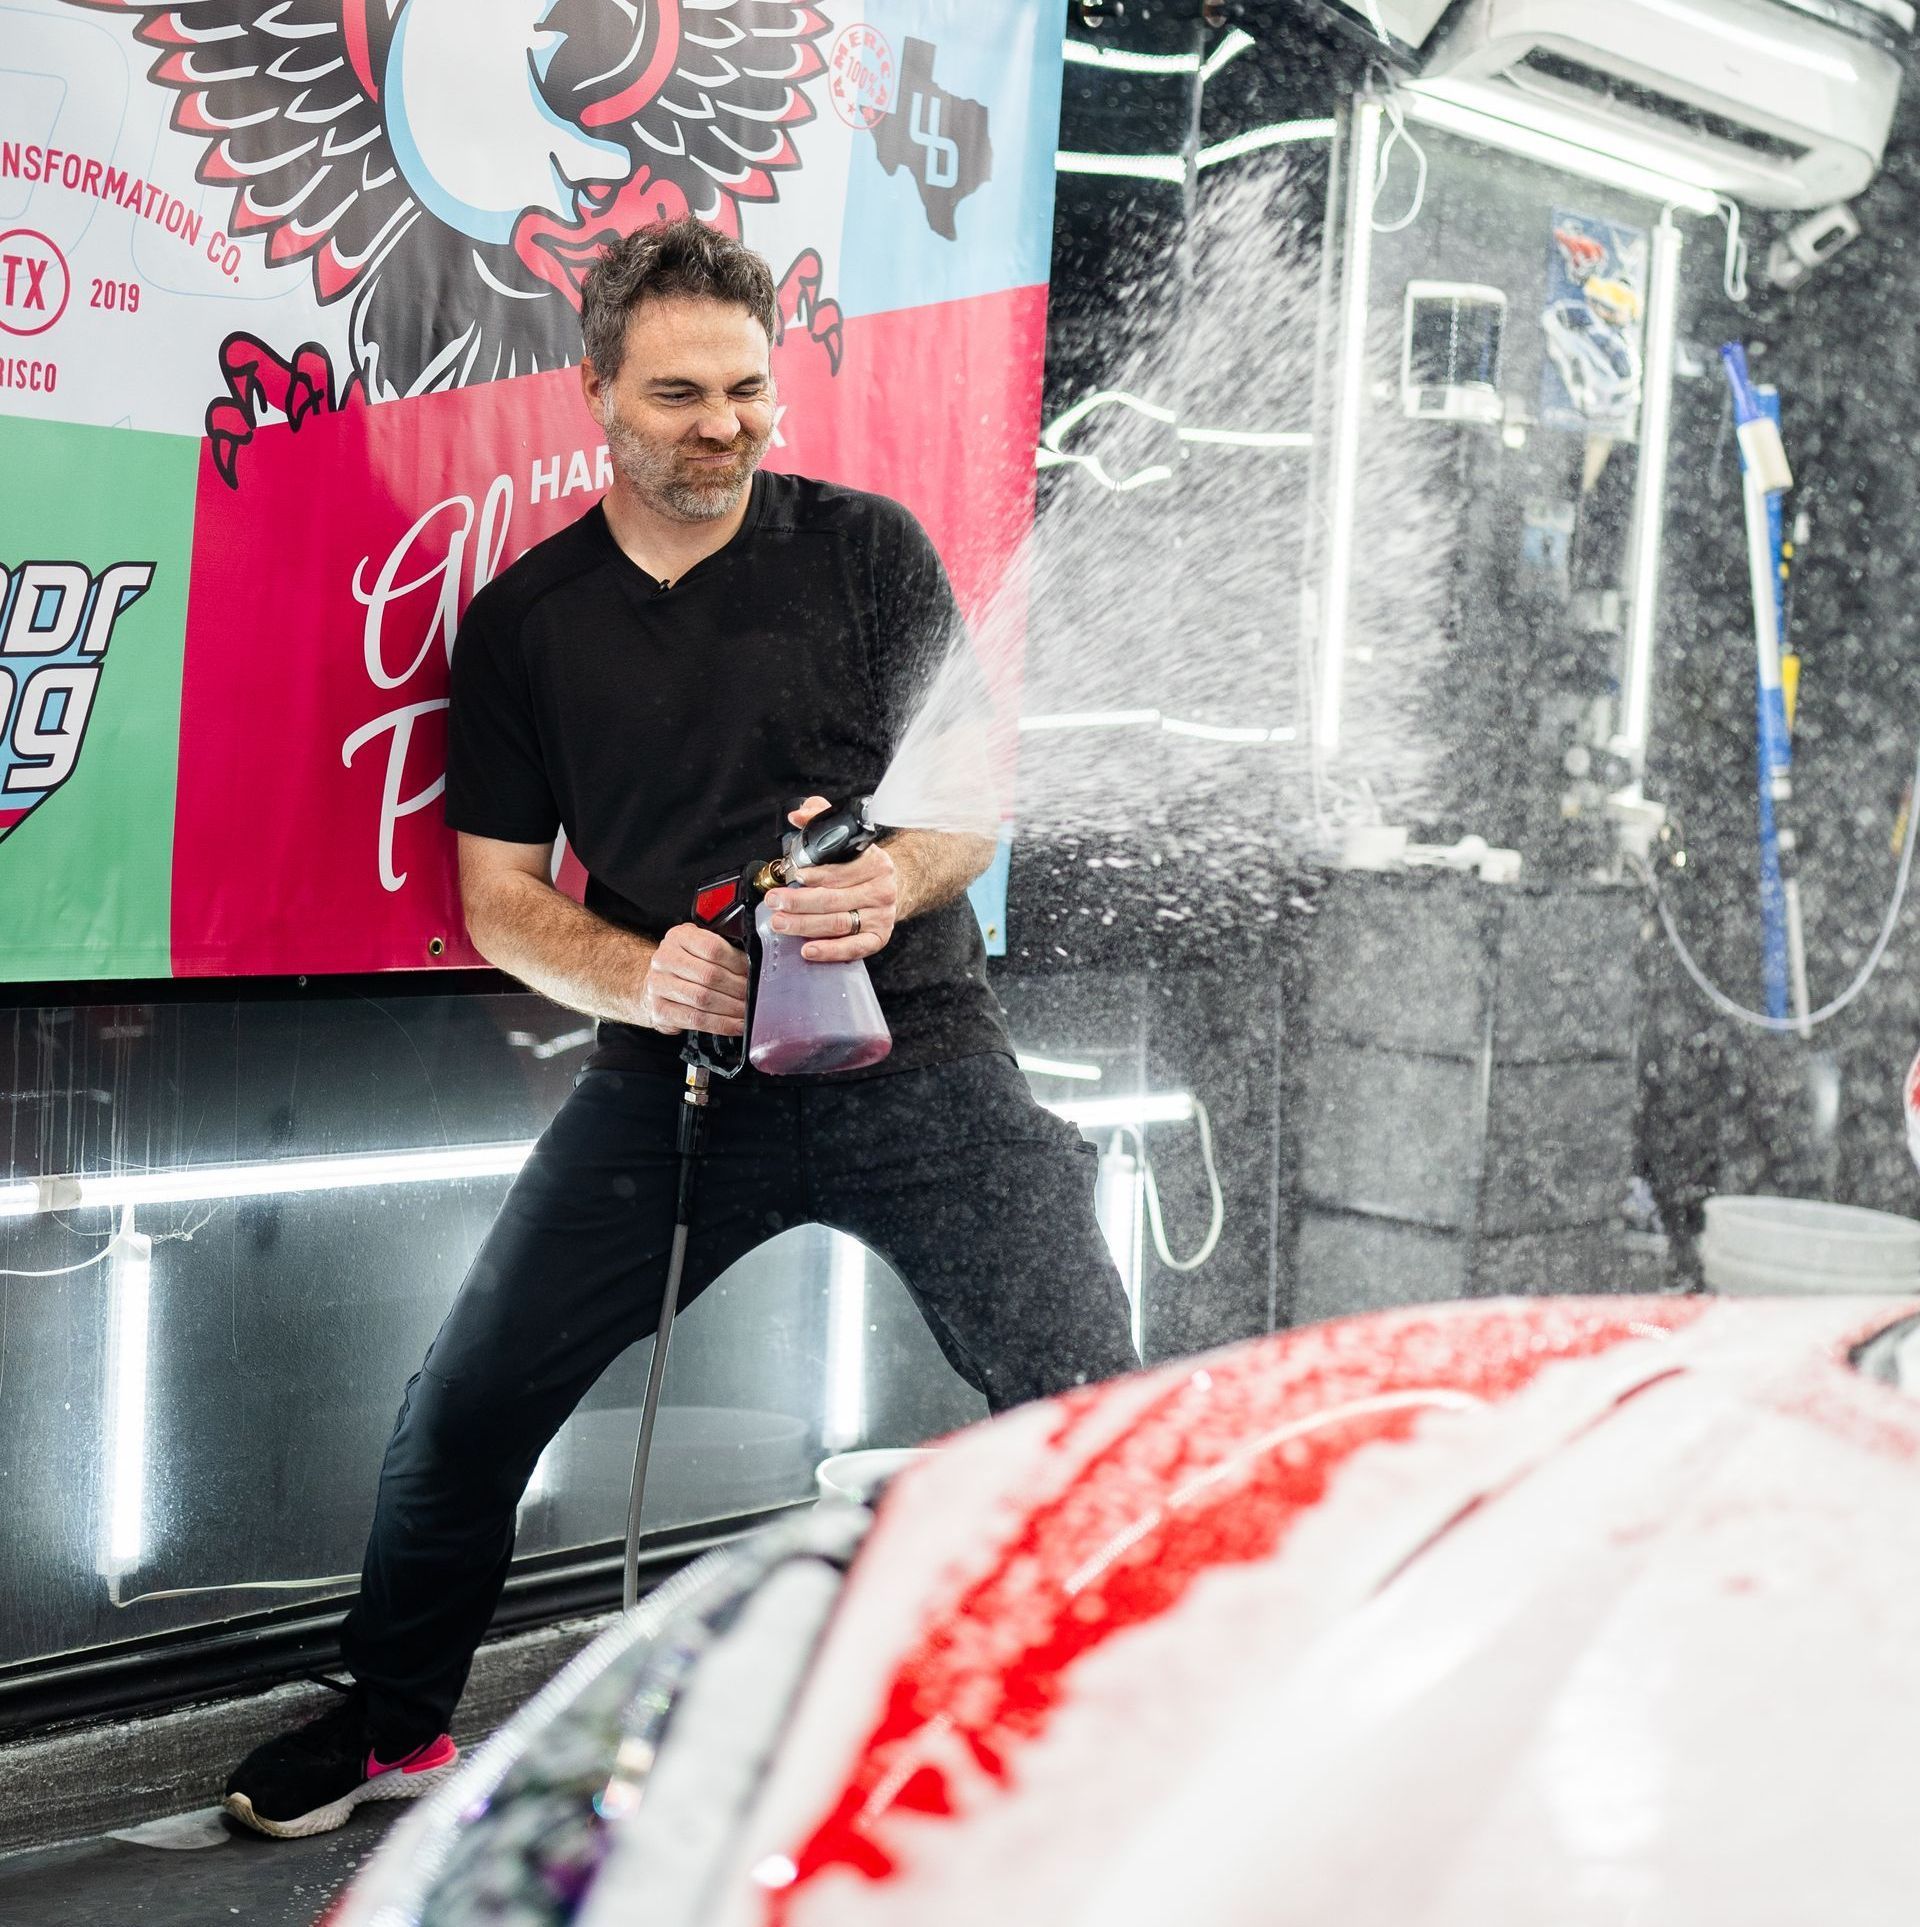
{"x": 599, "y": 402}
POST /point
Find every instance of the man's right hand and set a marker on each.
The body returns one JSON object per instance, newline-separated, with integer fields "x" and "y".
{"x": 696, "y": 981}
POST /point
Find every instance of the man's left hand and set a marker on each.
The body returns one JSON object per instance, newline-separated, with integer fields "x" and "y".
{"x": 842, "y": 911}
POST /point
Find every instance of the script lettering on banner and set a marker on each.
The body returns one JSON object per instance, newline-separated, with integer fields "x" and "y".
{"x": 395, "y": 601}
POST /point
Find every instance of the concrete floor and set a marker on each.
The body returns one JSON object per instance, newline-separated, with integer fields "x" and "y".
{"x": 199, "y": 1870}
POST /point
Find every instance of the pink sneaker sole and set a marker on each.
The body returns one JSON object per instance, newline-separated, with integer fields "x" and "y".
{"x": 428, "y": 1768}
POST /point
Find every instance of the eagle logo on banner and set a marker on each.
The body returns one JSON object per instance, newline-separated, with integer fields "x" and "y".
{"x": 452, "y": 168}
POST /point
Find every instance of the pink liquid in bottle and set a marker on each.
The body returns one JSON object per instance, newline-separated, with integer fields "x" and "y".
{"x": 811, "y": 1017}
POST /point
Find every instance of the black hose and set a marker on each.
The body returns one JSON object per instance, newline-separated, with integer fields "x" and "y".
{"x": 692, "y": 1135}
{"x": 650, "y": 1409}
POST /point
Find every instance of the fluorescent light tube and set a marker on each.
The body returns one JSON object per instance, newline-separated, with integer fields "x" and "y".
{"x": 195, "y": 1183}
{"x": 208, "y": 1183}
{"x": 844, "y": 1422}
{"x": 1057, "y": 1067}
{"x": 1222, "y": 733}
{"x": 1650, "y": 495}
{"x": 1247, "y": 437}
{"x": 1280, "y": 133}
{"x": 125, "y": 1456}
{"x": 536, "y": 1488}
{"x": 1144, "y": 718}
{"x": 1138, "y": 167}
{"x": 1092, "y": 719}
{"x": 1114, "y": 1113}
{"x": 1119, "y": 1204}
{"x": 1121, "y": 60}
{"x": 1234, "y": 43}
{"x": 1562, "y": 140}
{"x": 1344, "y": 484}
{"x": 1101, "y": 398}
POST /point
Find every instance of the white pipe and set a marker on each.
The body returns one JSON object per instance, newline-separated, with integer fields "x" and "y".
{"x": 1762, "y": 582}
{"x": 1797, "y": 958}
{"x": 1650, "y": 495}
{"x": 1348, "y": 400}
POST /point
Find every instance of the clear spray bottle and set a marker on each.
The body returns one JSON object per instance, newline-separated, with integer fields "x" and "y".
{"x": 813, "y": 1017}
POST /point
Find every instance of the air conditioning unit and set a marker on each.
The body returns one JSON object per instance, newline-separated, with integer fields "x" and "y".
{"x": 1399, "y": 26}
{"x": 1777, "y": 103}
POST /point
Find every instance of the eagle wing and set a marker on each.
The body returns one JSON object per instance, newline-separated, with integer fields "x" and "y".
{"x": 705, "y": 93}
{"x": 285, "y": 96}
{"x": 723, "y": 123}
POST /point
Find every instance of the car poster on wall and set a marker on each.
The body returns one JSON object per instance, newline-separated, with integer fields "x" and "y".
{"x": 1593, "y": 321}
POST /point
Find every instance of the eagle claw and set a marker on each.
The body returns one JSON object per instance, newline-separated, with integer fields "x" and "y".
{"x": 263, "y": 385}
{"x": 800, "y": 305}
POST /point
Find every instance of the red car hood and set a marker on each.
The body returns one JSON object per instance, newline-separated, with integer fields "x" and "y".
{"x": 1577, "y": 1611}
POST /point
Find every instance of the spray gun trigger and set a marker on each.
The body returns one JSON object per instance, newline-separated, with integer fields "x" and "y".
{"x": 714, "y": 901}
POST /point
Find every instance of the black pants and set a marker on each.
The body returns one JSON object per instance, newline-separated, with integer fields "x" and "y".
{"x": 978, "y": 1197}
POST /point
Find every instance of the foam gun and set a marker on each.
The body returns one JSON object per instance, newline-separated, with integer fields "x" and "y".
{"x": 803, "y": 1017}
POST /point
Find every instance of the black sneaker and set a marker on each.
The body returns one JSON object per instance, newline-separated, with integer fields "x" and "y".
{"x": 310, "y": 1780}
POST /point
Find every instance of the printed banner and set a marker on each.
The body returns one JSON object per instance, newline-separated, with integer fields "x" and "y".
{"x": 98, "y": 525}
{"x": 289, "y": 298}
{"x": 1593, "y": 322}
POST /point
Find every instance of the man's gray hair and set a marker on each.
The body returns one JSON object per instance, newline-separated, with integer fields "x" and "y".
{"x": 683, "y": 257}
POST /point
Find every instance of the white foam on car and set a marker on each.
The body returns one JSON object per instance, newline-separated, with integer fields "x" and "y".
{"x": 1555, "y": 1701}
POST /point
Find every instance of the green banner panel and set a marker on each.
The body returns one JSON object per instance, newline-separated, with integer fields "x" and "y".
{"x": 96, "y": 528}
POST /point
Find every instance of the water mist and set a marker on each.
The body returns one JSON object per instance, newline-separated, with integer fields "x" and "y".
{"x": 1171, "y": 588}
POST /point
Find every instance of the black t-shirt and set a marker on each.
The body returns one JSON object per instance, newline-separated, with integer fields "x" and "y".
{"x": 668, "y": 730}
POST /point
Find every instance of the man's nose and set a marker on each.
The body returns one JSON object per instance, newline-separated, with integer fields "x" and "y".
{"x": 718, "y": 424}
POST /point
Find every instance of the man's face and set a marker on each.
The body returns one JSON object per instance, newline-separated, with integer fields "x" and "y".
{"x": 691, "y": 411}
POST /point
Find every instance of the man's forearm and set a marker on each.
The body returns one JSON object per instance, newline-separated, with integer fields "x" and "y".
{"x": 553, "y": 945}
{"x": 935, "y": 866}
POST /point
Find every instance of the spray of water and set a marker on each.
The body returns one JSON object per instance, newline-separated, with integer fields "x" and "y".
{"x": 1170, "y": 596}
{"x": 945, "y": 774}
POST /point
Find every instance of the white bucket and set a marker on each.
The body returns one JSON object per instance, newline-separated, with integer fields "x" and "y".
{"x": 1811, "y": 1232}
{"x": 1830, "y": 1247}
{"x": 1748, "y": 1278}
{"x": 854, "y": 1475}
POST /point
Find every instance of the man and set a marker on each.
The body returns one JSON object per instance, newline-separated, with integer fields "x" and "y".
{"x": 662, "y": 680}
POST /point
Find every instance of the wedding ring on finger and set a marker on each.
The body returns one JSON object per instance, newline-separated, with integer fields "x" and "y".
{"x": 853, "y": 925}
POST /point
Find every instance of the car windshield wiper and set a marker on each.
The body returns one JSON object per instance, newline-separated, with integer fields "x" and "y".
{"x": 1879, "y": 1356}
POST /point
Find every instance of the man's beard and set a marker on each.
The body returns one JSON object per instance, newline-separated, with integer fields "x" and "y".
{"x": 661, "y": 478}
